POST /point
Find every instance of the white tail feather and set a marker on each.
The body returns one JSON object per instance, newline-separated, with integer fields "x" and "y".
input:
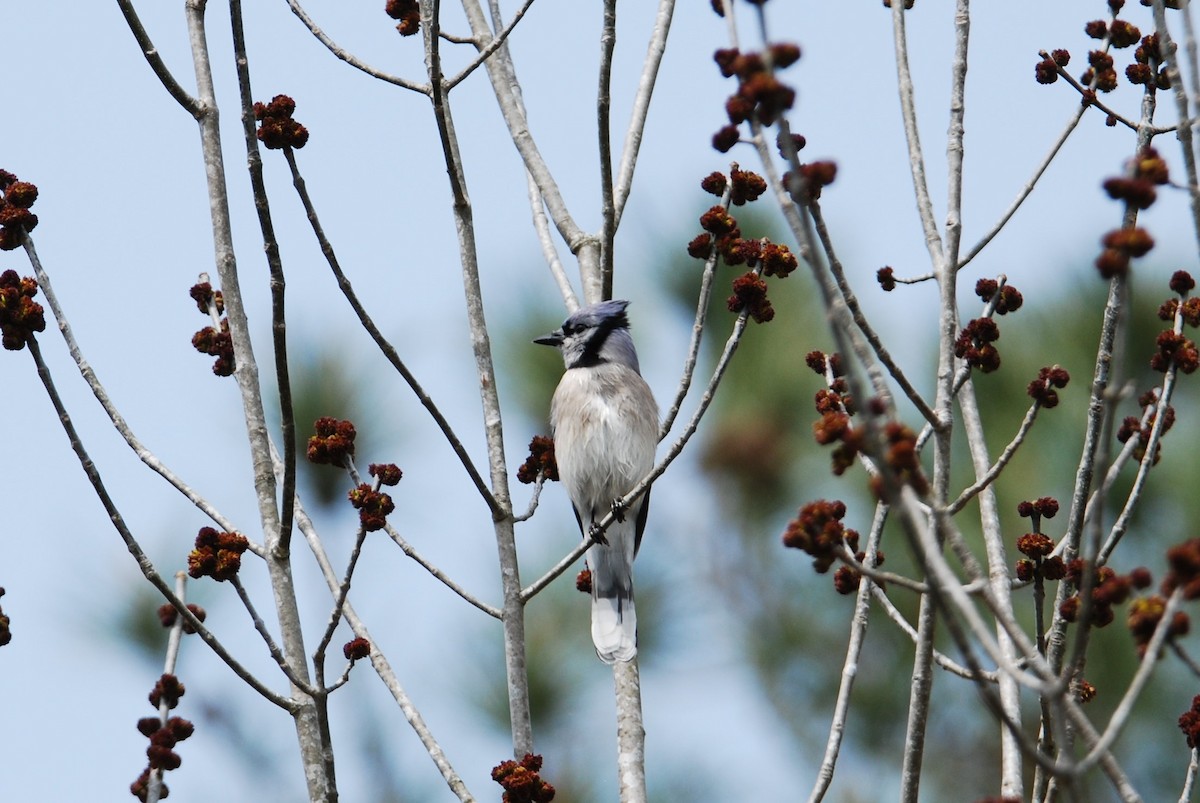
{"x": 614, "y": 631}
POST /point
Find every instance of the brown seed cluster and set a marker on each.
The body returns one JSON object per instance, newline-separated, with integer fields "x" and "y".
{"x": 1189, "y": 723}
{"x": 722, "y": 236}
{"x": 356, "y": 649}
{"x": 886, "y": 276}
{"x": 1136, "y": 190}
{"x": 1046, "y": 71}
{"x": 847, "y": 579}
{"x": 217, "y": 343}
{"x": 276, "y": 128}
{"x": 15, "y": 218}
{"x": 583, "y": 581}
{"x": 1044, "y": 389}
{"x": 20, "y": 315}
{"x": 207, "y": 299}
{"x": 163, "y": 736}
{"x": 835, "y": 406}
{"x": 522, "y": 781}
{"x": 386, "y": 473}
{"x": 805, "y": 187}
{"x": 1174, "y": 348}
{"x": 333, "y": 443}
{"x": 217, "y": 555}
{"x": 540, "y": 462}
{"x": 975, "y": 345}
{"x": 1108, "y": 589}
{"x": 750, "y": 294}
{"x": 818, "y": 530}
{"x": 1146, "y": 68}
{"x": 760, "y": 95}
{"x": 1008, "y": 300}
{"x": 373, "y": 507}
{"x": 1140, "y": 428}
{"x": 1183, "y": 561}
{"x": 409, "y": 14}
{"x": 1145, "y": 614}
{"x": 167, "y": 616}
{"x": 211, "y": 340}
{"x": 1039, "y": 562}
{"x": 5, "y": 623}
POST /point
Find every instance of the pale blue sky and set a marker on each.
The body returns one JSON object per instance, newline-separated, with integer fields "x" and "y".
{"x": 124, "y": 232}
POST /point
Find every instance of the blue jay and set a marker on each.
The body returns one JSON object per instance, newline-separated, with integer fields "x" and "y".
{"x": 605, "y": 423}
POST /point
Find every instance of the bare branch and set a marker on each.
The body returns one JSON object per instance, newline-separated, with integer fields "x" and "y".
{"x": 122, "y": 427}
{"x": 641, "y": 105}
{"x": 993, "y": 472}
{"x": 702, "y": 301}
{"x": 485, "y": 52}
{"x": 144, "y": 564}
{"x": 858, "y": 633}
{"x": 1025, "y": 190}
{"x": 380, "y": 663}
{"x": 262, "y": 205}
{"x": 191, "y": 105}
{"x": 631, "y": 735}
{"x": 608, "y": 208}
{"x": 350, "y": 58}
{"x": 388, "y": 350}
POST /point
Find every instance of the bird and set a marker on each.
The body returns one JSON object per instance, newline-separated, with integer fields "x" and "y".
{"x": 605, "y": 429}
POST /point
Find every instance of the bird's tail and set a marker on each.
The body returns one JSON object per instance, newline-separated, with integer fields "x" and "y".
{"x": 614, "y": 627}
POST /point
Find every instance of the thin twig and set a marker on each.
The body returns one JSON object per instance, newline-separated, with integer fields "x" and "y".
{"x": 641, "y": 104}
{"x": 533, "y": 499}
{"x": 1121, "y": 525}
{"x": 1189, "y": 781}
{"x": 504, "y": 83}
{"x": 516, "y": 671}
{"x": 379, "y": 661}
{"x": 192, "y": 105}
{"x": 438, "y": 574}
{"x": 1140, "y": 678}
{"x": 339, "y": 601}
{"x": 858, "y": 633}
{"x": 388, "y": 350}
{"x": 941, "y": 659}
{"x": 131, "y": 543}
{"x": 916, "y": 160}
{"x": 485, "y": 52}
{"x": 608, "y": 209}
{"x": 1185, "y": 656}
{"x": 860, "y": 318}
{"x": 110, "y": 409}
{"x": 693, "y": 355}
{"x": 993, "y": 472}
{"x": 315, "y": 749}
{"x": 1089, "y": 95}
{"x": 287, "y": 416}
{"x": 350, "y": 58}
{"x": 1026, "y": 190}
{"x": 261, "y": 627}
{"x": 174, "y": 639}
{"x": 631, "y": 734}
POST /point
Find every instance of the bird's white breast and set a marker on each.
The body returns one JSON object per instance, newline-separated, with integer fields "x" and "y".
{"x": 605, "y": 430}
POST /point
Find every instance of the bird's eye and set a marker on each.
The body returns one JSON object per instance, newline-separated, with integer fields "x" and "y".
{"x": 569, "y": 328}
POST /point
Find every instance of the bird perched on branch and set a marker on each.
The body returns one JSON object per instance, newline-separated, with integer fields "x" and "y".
{"x": 605, "y": 423}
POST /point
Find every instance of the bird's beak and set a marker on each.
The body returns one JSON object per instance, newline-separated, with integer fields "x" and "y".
{"x": 555, "y": 339}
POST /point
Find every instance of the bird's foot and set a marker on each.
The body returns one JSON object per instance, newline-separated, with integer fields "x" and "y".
{"x": 618, "y": 510}
{"x": 596, "y": 535}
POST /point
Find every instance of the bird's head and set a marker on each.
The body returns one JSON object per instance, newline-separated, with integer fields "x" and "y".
{"x": 595, "y": 335}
